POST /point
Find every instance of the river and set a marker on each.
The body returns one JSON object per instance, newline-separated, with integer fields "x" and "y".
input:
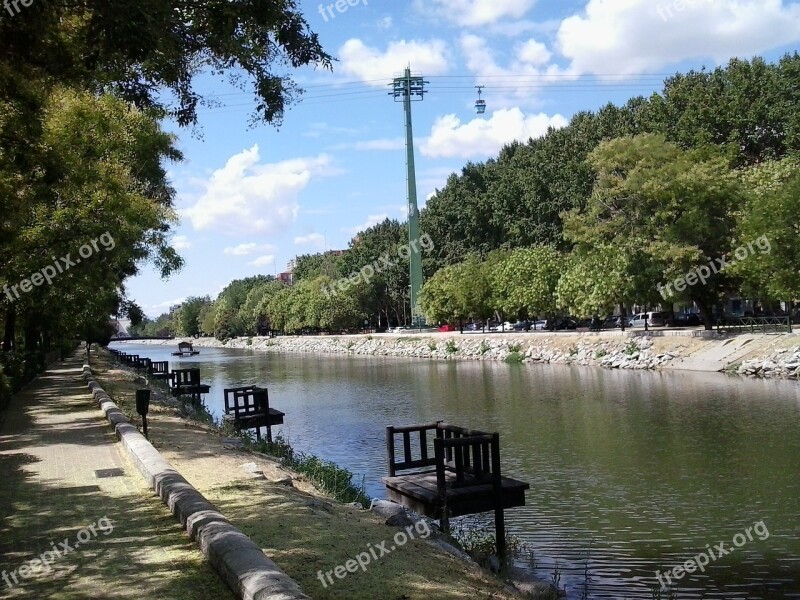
{"x": 630, "y": 471}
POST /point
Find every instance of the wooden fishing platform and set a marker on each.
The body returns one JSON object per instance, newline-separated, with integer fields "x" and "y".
{"x": 186, "y": 349}
{"x": 248, "y": 408}
{"x": 460, "y": 476}
{"x": 186, "y": 382}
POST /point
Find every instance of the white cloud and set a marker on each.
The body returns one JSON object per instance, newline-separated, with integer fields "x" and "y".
{"x": 247, "y": 249}
{"x": 376, "y": 67}
{"x": 246, "y": 196}
{"x": 181, "y": 242}
{"x": 522, "y": 81}
{"x": 312, "y": 239}
{"x": 372, "y": 220}
{"x": 628, "y": 37}
{"x": 486, "y": 137}
{"x": 263, "y": 261}
{"x": 156, "y": 310}
{"x": 385, "y": 23}
{"x": 475, "y": 13}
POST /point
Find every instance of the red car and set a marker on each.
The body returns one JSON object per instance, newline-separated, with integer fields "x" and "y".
{"x": 447, "y": 327}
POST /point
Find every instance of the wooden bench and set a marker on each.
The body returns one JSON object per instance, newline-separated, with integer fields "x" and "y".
{"x": 143, "y": 364}
{"x": 248, "y": 408}
{"x": 159, "y": 369}
{"x": 459, "y": 476}
{"x": 186, "y": 382}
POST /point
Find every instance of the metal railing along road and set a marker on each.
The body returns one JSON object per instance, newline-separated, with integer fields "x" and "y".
{"x": 755, "y": 325}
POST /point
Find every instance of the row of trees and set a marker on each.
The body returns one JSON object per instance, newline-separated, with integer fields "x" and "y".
{"x": 656, "y": 215}
{"x": 588, "y": 218}
{"x": 82, "y": 152}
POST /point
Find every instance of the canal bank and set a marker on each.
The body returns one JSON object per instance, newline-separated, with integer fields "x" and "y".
{"x": 304, "y": 531}
{"x": 630, "y": 470}
{"x": 750, "y": 355}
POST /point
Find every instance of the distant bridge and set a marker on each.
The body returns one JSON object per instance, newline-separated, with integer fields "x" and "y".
{"x": 134, "y": 338}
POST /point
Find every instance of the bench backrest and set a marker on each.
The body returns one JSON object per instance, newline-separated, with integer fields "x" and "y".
{"x": 473, "y": 456}
{"x": 158, "y": 366}
{"x": 185, "y": 377}
{"x": 477, "y": 456}
{"x": 246, "y": 400}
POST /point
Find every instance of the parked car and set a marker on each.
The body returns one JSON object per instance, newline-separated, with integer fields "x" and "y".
{"x": 690, "y": 320}
{"x": 447, "y": 327}
{"x": 522, "y": 325}
{"x": 615, "y": 322}
{"x": 473, "y": 327}
{"x": 508, "y": 326}
{"x": 654, "y": 319}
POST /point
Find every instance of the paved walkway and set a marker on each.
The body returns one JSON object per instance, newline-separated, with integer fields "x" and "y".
{"x": 94, "y": 536}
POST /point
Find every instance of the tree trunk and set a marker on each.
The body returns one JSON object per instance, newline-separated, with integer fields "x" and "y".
{"x": 622, "y": 315}
{"x": 8, "y": 337}
{"x": 706, "y": 313}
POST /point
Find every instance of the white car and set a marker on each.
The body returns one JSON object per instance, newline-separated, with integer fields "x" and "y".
{"x": 654, "y": 319}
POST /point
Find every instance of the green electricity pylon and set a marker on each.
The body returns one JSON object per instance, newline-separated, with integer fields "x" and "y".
{"x": 410, "y": 89}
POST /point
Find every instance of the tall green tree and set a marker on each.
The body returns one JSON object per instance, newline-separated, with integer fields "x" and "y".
{"x": 668, "y": 211}
{"x": 768, "y": 232}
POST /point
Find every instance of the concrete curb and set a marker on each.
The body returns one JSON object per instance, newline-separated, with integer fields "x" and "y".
{"x": 240, "y": 562}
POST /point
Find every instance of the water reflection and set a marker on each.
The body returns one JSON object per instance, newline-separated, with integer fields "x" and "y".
{"x": 630, "y": 472}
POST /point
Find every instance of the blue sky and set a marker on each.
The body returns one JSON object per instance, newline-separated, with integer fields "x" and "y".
{"x": 250, "y": 199}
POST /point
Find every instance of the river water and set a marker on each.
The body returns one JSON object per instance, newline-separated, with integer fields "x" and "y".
{"x": 630, "y": 472}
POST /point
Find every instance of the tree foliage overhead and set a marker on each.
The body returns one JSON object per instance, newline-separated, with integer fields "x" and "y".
{"x": 141, "y": 49}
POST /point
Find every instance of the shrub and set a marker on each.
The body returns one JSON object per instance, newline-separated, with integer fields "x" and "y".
{"x": 514, "y": 358}
{"x": 451, "y": 347}
{"x": 632, "y": 348}
{"x": 479, "y": 542}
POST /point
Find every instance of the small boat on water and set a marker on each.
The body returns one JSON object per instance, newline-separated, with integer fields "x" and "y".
{"x": 185, "y": 349}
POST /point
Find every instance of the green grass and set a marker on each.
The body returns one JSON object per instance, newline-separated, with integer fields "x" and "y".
{"x": 326, "y": 476}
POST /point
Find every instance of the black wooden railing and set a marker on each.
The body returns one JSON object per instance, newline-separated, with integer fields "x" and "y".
{"x": 755, "y": 325}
